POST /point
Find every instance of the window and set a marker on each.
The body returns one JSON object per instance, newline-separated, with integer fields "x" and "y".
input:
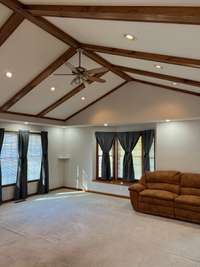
{"x": 9, "y": 158}
{"x": 152, "y": 157}
{"x": 137, "y": 159}
{"x": 34, "y": 157}
{"x": 117, "y": 157}
{"x": 99, "y": 161}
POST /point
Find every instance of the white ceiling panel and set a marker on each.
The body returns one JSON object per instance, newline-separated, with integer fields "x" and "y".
{"x": 91, "y": 93}
{"x": 168, "y": 69}
{"x": 26, "y": 53}
{"x": 42, "y": 96}
{"x": 163, "y": 82}
{"x": 4, "y": 14}
{"x": 168, "y": 39}
{"x": 116, "y": 2}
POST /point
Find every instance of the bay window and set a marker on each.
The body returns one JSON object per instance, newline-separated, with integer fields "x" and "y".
{"x": 117, "y": 160}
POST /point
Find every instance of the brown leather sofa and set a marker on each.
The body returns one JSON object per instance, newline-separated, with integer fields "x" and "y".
{"x": 168, "y": 193}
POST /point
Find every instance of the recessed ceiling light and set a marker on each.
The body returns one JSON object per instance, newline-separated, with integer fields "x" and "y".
{"x": 105, "y": 124}
{"x": 167, "y": 120}
{"x": 129, "y": 36}
{"x": 53, "y": 89}
{"x": 26, "y": 122}
{"x": 174, "y": 83}
{"x": 158, "y": 67}
{"x": 82, "y": 98}
{"x": 9, "y": 74}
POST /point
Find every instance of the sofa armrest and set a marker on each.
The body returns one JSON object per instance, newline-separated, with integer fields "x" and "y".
{"x": 137, "y": 187}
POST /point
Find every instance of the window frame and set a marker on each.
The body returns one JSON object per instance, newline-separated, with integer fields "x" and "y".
{"x": 32, "y": 181}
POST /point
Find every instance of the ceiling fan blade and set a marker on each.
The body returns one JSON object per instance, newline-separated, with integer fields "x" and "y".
{"x": 71, "y": 67}
{"x": 95, "y": 79}
{"x": 63, "y": 74}
{"x": 97, "y": 70}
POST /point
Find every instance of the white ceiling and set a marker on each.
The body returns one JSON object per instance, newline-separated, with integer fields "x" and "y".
{"x": 29, "y": 50}
{"x": 42, "y": 96}
{"x": 116, "y": 2}
{"x": 4, "y": 14}
{"x": 26, "y": 53}
{"x": 91, "y": 93}
{"x": 168, "y": 69}
{"x": 168, "y": 39}
{"x": 163, "y": 82}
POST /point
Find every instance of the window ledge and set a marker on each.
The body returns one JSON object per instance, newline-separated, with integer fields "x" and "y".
{"x": 14, "y": 184}
{"x": 115, "y": 182}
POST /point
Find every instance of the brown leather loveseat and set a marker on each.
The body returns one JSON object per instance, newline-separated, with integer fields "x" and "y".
{"x": 168, "y": 193}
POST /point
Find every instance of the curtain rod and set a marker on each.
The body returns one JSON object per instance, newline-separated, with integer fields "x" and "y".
{"x": 32, "y": 132}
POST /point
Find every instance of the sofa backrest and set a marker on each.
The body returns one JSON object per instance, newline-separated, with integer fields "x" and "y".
{"x": 163, "y": 180}
{"x": 190, "y": 184}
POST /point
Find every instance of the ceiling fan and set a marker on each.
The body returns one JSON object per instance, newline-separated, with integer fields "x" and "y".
{"x": 82, "y": 75}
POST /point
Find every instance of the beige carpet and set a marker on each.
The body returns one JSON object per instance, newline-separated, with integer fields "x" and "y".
{"x": 75, "y": 229}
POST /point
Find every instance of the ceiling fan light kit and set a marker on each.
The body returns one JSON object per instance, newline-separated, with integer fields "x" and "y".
{"x": 82, "y": 75}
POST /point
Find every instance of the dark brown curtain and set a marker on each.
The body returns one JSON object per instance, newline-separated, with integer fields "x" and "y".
{"x": 128, "y": 141}
{"x": 105, "y": 140}
{"x": 43, "y": 185}
{"x": 147, "y": 138}
{"x": 21, "y": 182}
{"x": 1, "y": 144}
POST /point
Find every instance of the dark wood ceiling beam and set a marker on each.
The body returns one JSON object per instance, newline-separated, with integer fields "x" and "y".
{"x": 161, "y": 14}
{"x": 101, "y": 61}
{"x": 55, "y": 31}
{"x": 39, "y": 78}
{"x": 97, "y": 100}
{"x": 188, "y": 62}
{"x": 10, "y": 26}
{"x": 159, "y": 76}
{"x": 168, "y": 88}
{"x": 44, "y": 24}
{"x": 29, "y": 115}
{"x": 66, "y": 97}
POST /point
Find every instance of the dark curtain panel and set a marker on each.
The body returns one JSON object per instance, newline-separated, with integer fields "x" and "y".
{"x": 128, "y": 140}
{"x": 105, "y": 140}
{"x": 43, "y": 185}
{"x": 1, "y": 144}
{"x": 147, "y": 138}
{"x": 21, "y": 182}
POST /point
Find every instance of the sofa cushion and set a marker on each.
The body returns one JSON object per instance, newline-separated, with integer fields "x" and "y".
{"x": 163, "y": 180}
{"x": 190, "y": 191}
{"x": 164, "y": 186}
{"x": 169, "y": 177}
{"x": 190, "y": 184}
{"x": 188, "y": 200}
{"x": 160, "y": 194}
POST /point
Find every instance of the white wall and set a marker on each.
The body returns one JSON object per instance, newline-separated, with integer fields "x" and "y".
{"x": 56, "y": 168}
{"x": 81, "y": 167}
{"x": 177, "y": 147}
